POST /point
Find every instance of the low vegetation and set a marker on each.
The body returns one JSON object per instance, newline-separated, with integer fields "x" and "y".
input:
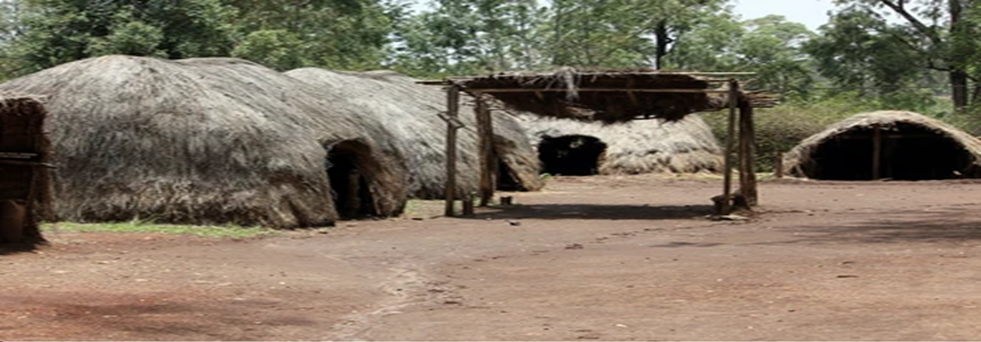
{"x": 234, "y": 232}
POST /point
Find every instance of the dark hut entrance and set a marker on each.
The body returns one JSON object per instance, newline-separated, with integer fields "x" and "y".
{"x": 506, "y": 180}
{"x": 903, "y": 152}
{"x": 571, "y": 155}
{"x": 349, "y": 166}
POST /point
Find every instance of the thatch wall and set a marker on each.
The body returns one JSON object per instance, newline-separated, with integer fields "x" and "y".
{"x": 410, "y": 113}
{"x": 801, "y": 161}
{"x": 143, "y": 138}
{"x": 641, "y": 146}
{"x": 25, "y": 186}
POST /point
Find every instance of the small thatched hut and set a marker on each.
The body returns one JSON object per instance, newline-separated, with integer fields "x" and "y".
{"x": 410, "y": 113}
{"x": 25, "y": 193}
{"x": 886, "y": 145}
{"x": 574, "y": 147}
{"x": 200, "y": 142}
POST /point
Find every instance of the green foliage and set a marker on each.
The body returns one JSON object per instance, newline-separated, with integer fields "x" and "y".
{"x": 50, "y": 32}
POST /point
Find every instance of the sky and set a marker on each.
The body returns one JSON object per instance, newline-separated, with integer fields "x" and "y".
{"x": 812, "y": 13}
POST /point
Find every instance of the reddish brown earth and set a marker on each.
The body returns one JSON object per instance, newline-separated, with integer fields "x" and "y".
{"x": 600, "y": 258}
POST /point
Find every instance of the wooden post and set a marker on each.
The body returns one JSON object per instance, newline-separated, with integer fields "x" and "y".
{"x": 778, "y": 165}
{"x": 488, "y": 159}
{"x": 747, "y": 152}
{"x": 452, "y": 124}
{"x": 877, "y": 153}
{"x": 725, "y": 208}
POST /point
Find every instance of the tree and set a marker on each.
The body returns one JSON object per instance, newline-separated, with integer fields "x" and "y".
{"x": 770, "y": 46}
{"x": 44, "y": 33}
{"x": 935, "y": 34}
{"x": 470, "y": 36}
{"x": 286, "y": 34}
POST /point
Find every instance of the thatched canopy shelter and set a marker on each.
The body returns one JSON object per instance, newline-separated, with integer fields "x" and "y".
{"x": 409, "y": 111}
{"x": 572, "y": 147}
{"x": 617, "y": 96}
{"x": 199, "y": 142}
{"x": 886, "y": 144}
{"x": 25, "y": 192}
{"x": 608, "y": 95}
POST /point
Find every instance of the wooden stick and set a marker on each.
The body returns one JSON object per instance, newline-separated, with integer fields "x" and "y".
{"x": 488, "y": 160}
{"x": 876, "y": 153}
{"x": 597, "y": 90}
{"x": 25, "y": 163}
{"x": 778, "y": 165}
{"x": 730, "y": 142}
{"x": 747, "y": 151}
{"x": 452, "y": 111}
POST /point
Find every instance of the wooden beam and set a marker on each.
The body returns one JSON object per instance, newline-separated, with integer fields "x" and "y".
{"x": 747, "y": 152}
{"x": 597, "y": 90}
{"x": 877, "y": 153}
{"x": 730, "y": 143}
{"x": 452, "y": 111}
{"x": 488, "y": 159}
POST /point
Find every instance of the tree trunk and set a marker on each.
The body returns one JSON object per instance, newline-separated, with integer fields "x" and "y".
{"x": 662, "y": 39}
{"x": 958, "y": 86}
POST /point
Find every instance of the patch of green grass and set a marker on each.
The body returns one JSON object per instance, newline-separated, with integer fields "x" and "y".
{"x": 135, "y": 226}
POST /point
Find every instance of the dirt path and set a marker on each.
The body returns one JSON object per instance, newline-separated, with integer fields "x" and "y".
{"x": 607, "y": 258}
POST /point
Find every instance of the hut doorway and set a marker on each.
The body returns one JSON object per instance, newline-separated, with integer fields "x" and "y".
{"x": 571, "y": 155}
{"x": 349, "y": 169}
{"x": 907, "y": 152}
{"x": 506, "y": 179}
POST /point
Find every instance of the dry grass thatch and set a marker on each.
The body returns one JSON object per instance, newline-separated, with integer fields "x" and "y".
{"x": 198, "y": 141}
{"x": 25, "y": 190}
{"x": 410, "y": 112}
{"x": 959, "y": 147}
{"x": 641, "y": 146}
{"x": 614, "y": 104}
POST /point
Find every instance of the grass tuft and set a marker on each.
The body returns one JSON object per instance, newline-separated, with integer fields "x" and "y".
{"x": 135, "y": 226}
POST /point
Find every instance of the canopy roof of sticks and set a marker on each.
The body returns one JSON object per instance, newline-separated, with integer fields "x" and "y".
{"x": 609, "y": 96}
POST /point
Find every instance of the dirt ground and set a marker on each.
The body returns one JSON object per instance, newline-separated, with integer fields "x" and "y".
{"x": 597, "y": 258}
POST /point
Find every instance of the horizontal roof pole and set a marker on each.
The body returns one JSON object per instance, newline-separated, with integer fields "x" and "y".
{"x": 597, "y": 90}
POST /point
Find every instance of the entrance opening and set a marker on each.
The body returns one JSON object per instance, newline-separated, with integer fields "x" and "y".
{"x": 572, "y": 155}
{"x": 347, "y": 169}
{"x": 506, "y": 180}
{"x": 909, "y": 152}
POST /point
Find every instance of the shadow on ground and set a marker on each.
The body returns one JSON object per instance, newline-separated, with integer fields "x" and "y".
{"x": 596, "y": 212}
{"x": 896, "y": 227}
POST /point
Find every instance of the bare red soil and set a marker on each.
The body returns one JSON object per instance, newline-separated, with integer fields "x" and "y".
{"x": 597, "y": 258}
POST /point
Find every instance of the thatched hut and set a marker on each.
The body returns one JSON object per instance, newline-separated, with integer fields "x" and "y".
{"x": 410, "y": 113}
{"x": 574, "y": 147}
{"x": 886, "y": 145}
{"x": 25, "y": 193}
{"x": 200, "y": 143}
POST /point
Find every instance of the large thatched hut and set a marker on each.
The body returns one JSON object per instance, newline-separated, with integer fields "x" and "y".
{"x": 225, "y": 141}
{"x": 886, "y": 145}
{"x": 410, "y": 113}
{"x": 25, "y": 193}
{"x": 574, "y": 147}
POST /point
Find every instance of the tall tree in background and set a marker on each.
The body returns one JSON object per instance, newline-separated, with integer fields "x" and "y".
{"x": 470, "y": 36}
{"x": 44, "y": 33}
{"x": 771, "y": 46}
{"x": 623, "y": 33}
{"x": 287, "y": 34}
{"x": 937, "y": 35}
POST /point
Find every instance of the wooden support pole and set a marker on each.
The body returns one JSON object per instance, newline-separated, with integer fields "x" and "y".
{"x": 488, "y": 159}
{"x": 747, "y": 152}
{"x": 877, "y": 154}
{"x": 725, "y": 208}
{"x": 778, "y": 165}
{"x": 452, "y": 124}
